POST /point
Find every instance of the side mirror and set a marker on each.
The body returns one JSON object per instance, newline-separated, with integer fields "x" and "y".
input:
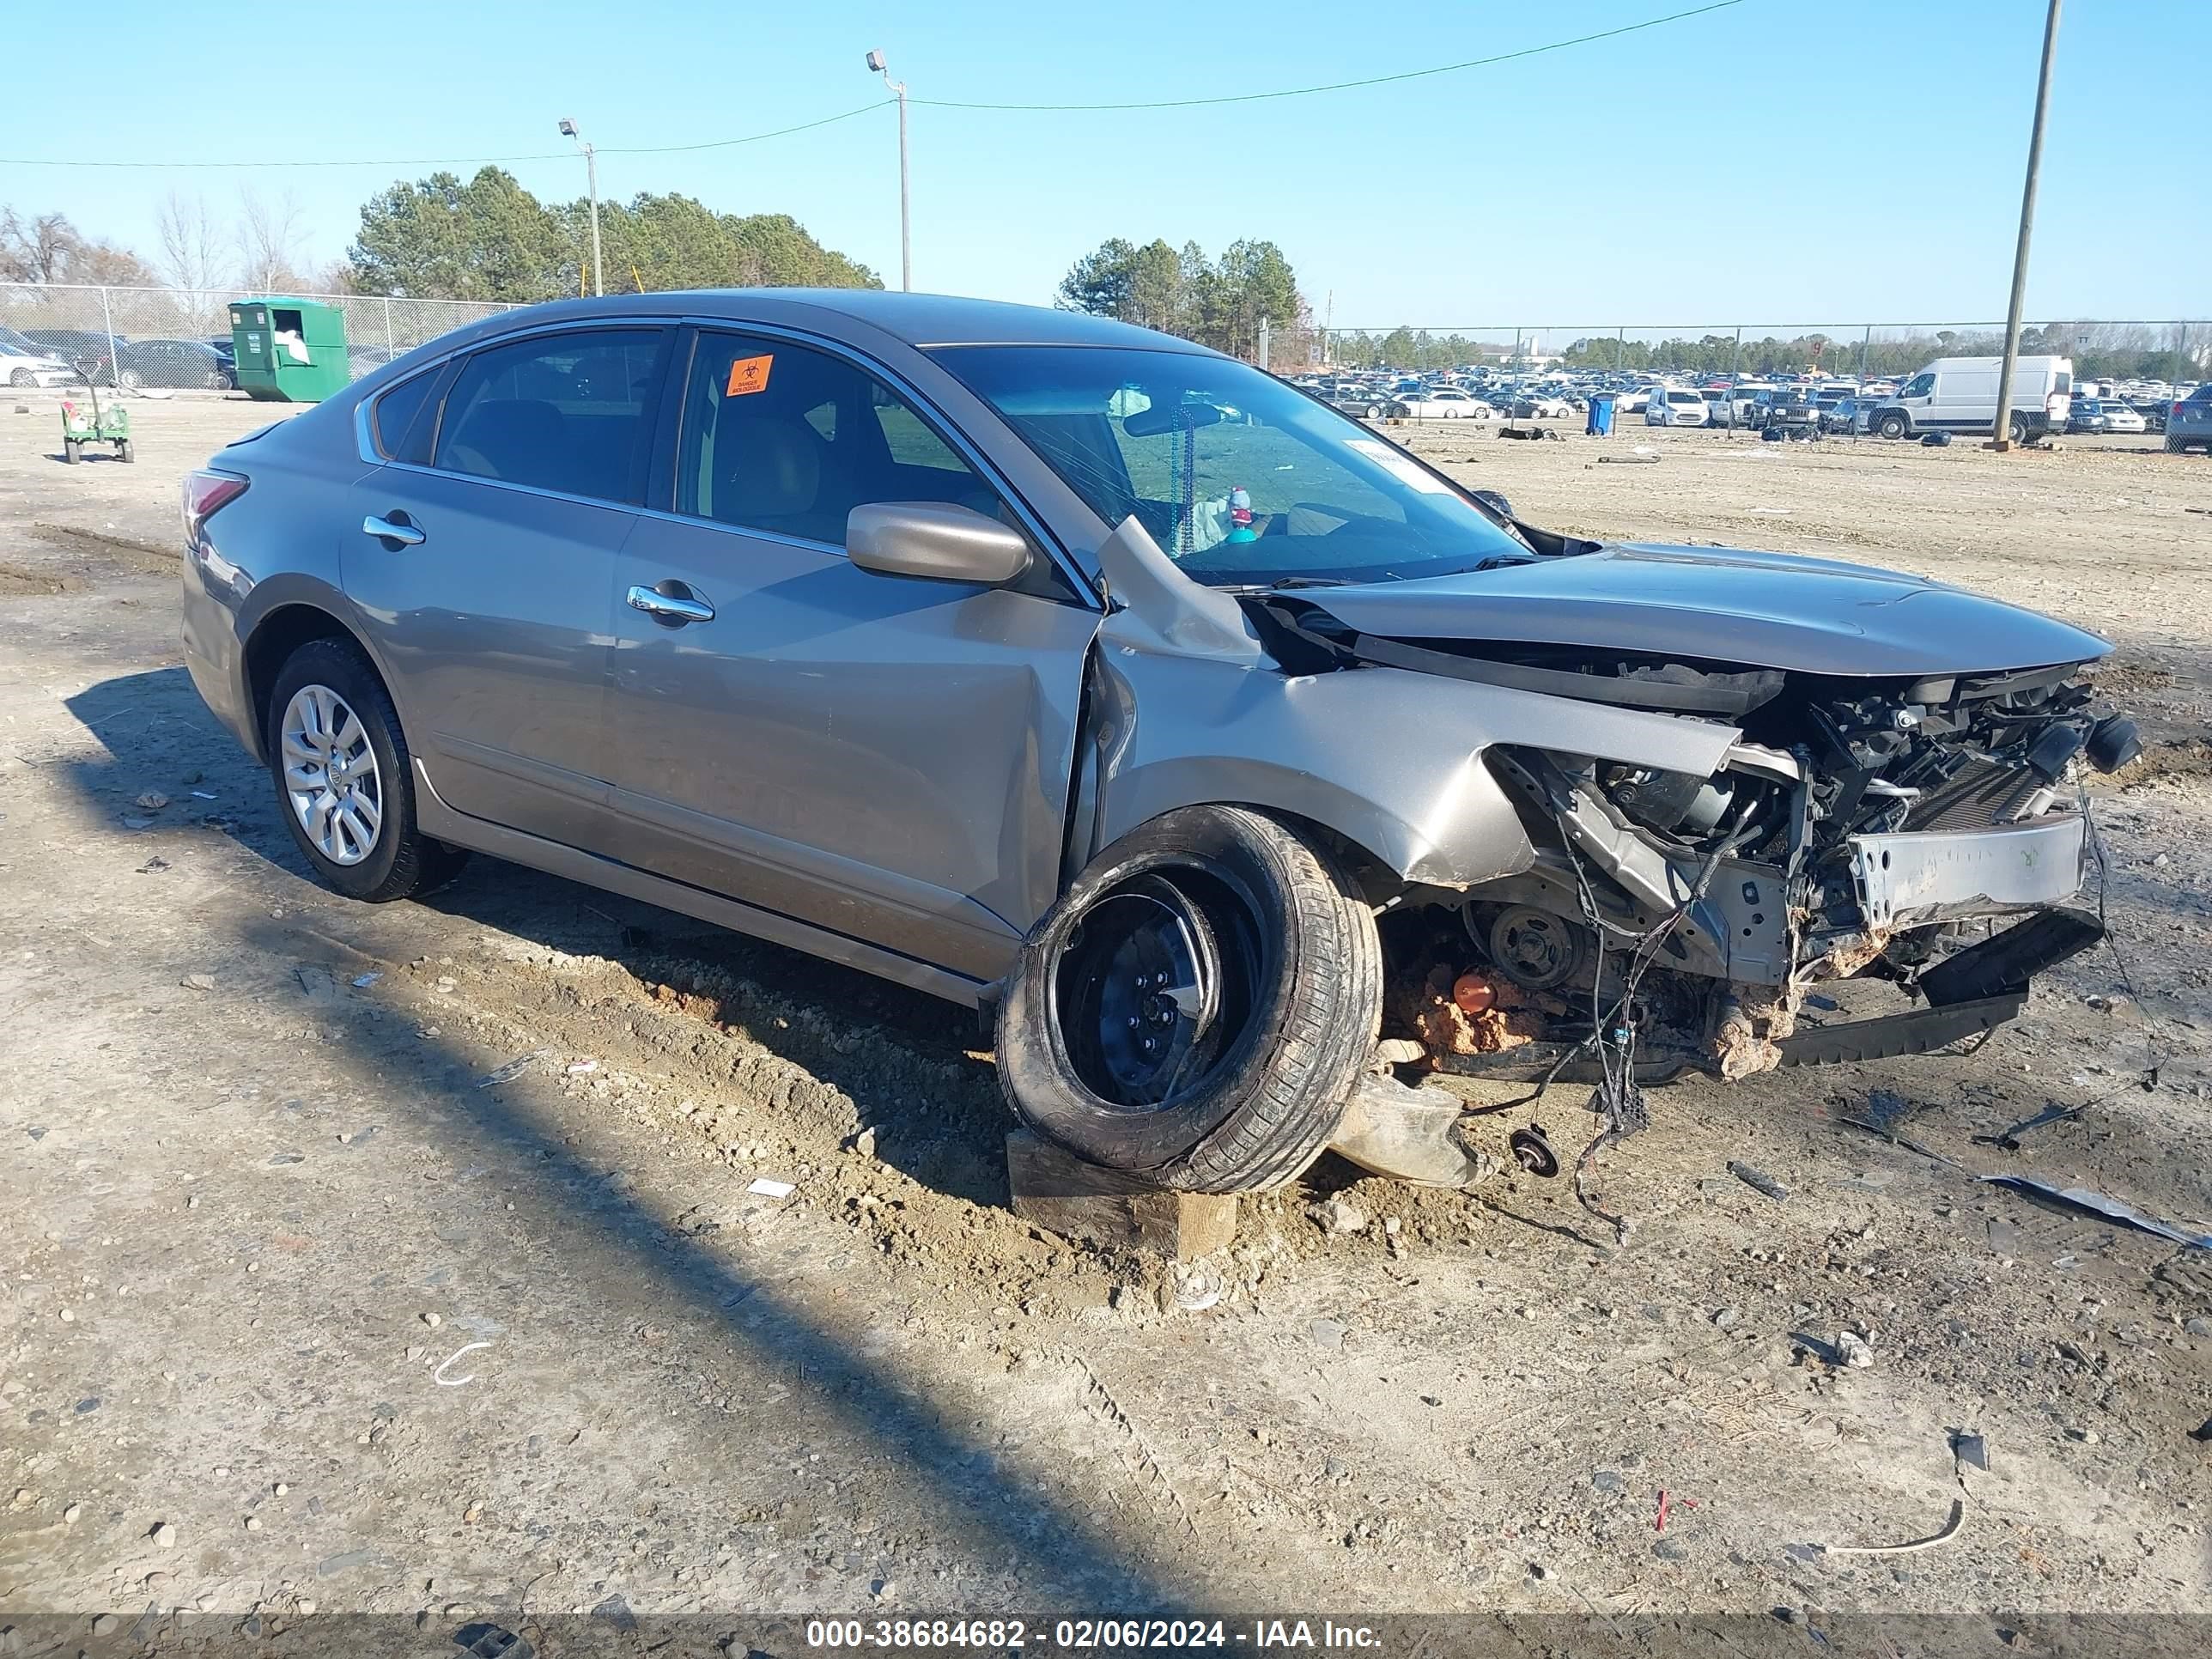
{"x": 935, "y": 540}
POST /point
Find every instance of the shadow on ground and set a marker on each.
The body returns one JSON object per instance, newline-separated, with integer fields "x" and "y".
{"x": 155, "y": 730}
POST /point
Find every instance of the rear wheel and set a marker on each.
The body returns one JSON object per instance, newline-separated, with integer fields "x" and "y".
{"x": 72, "y": 450}
{"x": 343, "y": 778}
{"x": 1196, "y": 1009}
{"x": 1892, "y": 426}
{"x": 123, "y": 450}
{"x": 2017, "y": 428}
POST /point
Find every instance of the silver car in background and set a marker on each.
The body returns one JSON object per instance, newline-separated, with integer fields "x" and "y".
{"x": 1081, "y": 674}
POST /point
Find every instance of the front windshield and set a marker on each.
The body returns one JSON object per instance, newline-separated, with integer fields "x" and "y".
{"x": 1239, "y": 478}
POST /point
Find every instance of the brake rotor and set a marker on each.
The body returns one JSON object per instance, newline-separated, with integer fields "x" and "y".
{"x": 1534, "y": 948}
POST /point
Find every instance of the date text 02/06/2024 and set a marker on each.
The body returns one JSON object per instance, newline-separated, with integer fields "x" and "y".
{"x": 1085, "y": 1634}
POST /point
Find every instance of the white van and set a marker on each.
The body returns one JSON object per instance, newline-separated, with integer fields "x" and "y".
{"x": 1959, "y": 394}
{"x": 1673, "y": 405}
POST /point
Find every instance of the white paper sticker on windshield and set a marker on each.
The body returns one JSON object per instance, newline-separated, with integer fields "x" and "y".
{"x": 1400, "y": 467}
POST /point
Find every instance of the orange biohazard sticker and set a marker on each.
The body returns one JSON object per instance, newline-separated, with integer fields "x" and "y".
{"x": 748, "y": 375}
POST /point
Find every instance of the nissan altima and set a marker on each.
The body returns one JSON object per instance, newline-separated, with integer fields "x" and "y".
{"x": 1080, "y": 674}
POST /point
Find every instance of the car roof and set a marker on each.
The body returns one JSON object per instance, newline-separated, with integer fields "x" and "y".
{"x": 918, "y": 319}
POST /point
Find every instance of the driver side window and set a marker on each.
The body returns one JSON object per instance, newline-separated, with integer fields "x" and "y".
{"x": 1918, "y": 386}
{"x": 787, "y": 441}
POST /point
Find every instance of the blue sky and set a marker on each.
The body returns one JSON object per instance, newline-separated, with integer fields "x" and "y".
{"x": 1796, "y": 160}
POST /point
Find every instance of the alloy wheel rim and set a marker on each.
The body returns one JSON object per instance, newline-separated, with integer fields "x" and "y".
{"x": 330, "y": 775}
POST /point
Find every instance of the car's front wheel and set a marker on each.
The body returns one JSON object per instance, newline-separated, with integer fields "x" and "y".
{"x": 1195, "y": 1009}
{"x": 1892, "y": 426}
{"x": 344, "y": 779}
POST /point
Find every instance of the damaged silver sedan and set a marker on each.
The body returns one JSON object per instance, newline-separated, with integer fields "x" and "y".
{"x": 1072, "y": 672}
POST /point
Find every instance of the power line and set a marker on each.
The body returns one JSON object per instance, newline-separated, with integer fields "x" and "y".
{"x": 1343, "y": 86}
{"x": 469, "y": 161}
{"x": 937, "y": 103}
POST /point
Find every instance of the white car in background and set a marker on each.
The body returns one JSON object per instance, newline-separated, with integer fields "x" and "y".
{"x": 1675, "y": 405}
{"x": 22, "y": 369}
{"x": 1638, "y": 401}
{"x": 1445, "y": 403}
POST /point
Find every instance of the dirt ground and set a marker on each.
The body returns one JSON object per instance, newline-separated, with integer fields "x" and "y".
{"x": 402, "y": 1260}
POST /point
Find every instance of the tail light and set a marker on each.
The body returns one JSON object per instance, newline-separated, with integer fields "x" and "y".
{"x": 204, "y": 493}
{"x": 2176, "y": 409}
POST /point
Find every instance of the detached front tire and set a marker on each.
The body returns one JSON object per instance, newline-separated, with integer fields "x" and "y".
{"x": 344, "y": 779}
{"x": 1196, "y": 1009}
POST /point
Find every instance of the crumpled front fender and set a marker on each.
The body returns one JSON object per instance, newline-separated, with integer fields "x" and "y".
{"x": 1188, "y": 709}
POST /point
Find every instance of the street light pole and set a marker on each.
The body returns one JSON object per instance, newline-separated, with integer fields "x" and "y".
{"x": 2000, "y": 431}
{"x": 591, "y": 184}
{"x": 876, "y": 62}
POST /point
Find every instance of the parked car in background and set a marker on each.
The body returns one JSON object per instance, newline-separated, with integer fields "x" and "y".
{"x": 1852, "y": 417}
{"x": 1637, "y": 401}
{"x": 2153, "y": 410}
{"x": 75, "y": 346}
{"x": 24, "y": 367}
{"x": 1367, "y": 405}
{"x": 1674, "y": 406}
{"x": 1446, "y": 404}
{"x": 1792, "y": 411}
{"x": 2189, "y": 421}
{"x": 2104, "y": 414}
{"x": 181, "y": 365}
{"x": 1541, "y": 406}
{"x": 1083, "y": 674}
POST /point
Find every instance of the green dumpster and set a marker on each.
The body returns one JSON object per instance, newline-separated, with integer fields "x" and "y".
{"x": 288, "y": 350}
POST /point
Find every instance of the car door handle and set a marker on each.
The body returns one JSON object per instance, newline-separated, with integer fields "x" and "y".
{"x": 392, "y": 531}
{"x": 670, "y": 607}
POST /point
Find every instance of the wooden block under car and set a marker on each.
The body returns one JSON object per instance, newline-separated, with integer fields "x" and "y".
{"x": 1063, "y": 1195}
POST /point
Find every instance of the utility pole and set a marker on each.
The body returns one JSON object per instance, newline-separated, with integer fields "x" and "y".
{"x": 906, "y": 242}
{"x": 592, "y": 184}
{"x": 2001, "y": 432}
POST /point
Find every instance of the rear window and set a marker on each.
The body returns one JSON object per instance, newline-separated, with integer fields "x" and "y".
{"x": 566, "y": 412}
{"x": 2202, "y": 395}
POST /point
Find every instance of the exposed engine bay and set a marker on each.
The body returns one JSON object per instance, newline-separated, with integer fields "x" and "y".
{"x": 1859, "y": 827}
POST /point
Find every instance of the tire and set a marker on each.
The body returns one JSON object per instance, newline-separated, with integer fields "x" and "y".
{"x": 123, "y": 452}
{"x": 398, "y": 859}
{"x": 72, "y": 450}
{"x": 2016, "y": 429}
{"x": 1892, "y": 426}
{"x": 1284, "y": 964}
{"x": 22, "y": 377}
{"x": 131, "y": 380}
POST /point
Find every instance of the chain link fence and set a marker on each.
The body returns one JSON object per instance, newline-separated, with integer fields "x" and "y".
{"x": 179, "y": 338}
{"x": 2170, "y": 350}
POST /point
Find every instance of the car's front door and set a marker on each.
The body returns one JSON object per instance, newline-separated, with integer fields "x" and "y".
{"x": 478, "y": 557}
{"x": 886, "y": 757}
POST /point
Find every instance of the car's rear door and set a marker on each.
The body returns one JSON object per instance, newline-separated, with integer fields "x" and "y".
{"x": 479, "y": 554}
{"x": 886, "y": 757}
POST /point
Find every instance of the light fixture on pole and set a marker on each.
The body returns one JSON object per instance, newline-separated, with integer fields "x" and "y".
{"x": 906, "y": 241}
{"x": 591, "y": 184}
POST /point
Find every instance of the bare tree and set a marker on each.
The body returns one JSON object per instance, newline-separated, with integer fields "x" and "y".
{"x": 268, "y": 240}
{"x": 192, "y": 252}
{"x": 37, "y": 249}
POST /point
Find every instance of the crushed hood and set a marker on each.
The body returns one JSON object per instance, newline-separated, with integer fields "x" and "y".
{"x": 1765, "y": 609}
